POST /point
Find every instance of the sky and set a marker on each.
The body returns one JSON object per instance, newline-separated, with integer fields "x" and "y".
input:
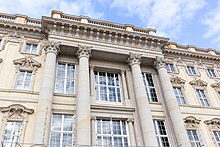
{"x": 187, "y": 22}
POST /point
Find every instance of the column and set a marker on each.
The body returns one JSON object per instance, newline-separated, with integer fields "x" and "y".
{"x": 131, "y": 132}
{"x": 172, "y": 104}
{"x": 43, "y": 110}
{"x": 143, "y": 108}
{"x": 83, "y": 98}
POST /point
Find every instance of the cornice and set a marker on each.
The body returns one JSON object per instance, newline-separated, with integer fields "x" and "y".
{"x": 199, "y": 55}
{"x": 89, "y": 31}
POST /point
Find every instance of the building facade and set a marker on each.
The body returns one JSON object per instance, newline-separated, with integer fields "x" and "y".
{"x": 70, "y": 80}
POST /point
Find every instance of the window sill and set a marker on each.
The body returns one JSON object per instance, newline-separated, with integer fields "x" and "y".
{"x": 34, "y": 54}
{"x": 65, "y": 95}
{"x": 109, "y": 103}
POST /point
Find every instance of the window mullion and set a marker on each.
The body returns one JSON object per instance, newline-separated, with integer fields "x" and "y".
{"x": 65, "y": 78}
{"x": 106, "y": 78}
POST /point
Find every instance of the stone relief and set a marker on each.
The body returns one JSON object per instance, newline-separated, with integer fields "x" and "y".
{"x": 84, "y": 51}
{"x": 198, "y": 83}
{"x": 177, "y": 80}
{"x": 213, "y": 123}
{"x": 191, "y": 122}
{"x": 134, "y": 58}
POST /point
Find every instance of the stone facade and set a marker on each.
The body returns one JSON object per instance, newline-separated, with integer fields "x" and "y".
{"x": 74, "y": 81}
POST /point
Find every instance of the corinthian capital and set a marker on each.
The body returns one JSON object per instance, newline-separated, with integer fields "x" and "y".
{"x": 83, "y": 51}
{"x": 51, "y": 46}
{"x": 134, "y": 59}
{"x": 159, "y": 63}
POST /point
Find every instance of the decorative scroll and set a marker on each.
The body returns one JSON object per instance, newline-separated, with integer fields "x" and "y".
{"x": 191, "y": 122}
{"x": 83, "y": 51}
{"x": 134, "y": 59}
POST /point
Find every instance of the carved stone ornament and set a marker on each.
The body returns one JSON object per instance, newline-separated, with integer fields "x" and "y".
{"x": 16, "y": 111}
{"x": 51, "y": 47}
{"x": 1, "y": 60}
{"x": 216, "y": 85}
{"x": 177, "y": 80}
{"x": 213, "y": 123}
{"x": 191, "y": 122}
{"x": 159, "y": 63}
{"x": 83, "y": 51}
{"x": 27, "y": 63}
{"x": 12, "y": 37}
{"x": 198, "y": 83}
{"x": 134, "y": 58}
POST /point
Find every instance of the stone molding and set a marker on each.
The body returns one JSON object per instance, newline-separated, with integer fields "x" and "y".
{"x": 83, "y": 51}
{"x": 213, "y": 123}
{"x": 198, "y": 83}
{"x": 159, "y": 63}
{"x": 27, "y": 63}
{"x": 16, "y": 111}
{"x": 51, "y": 47}
{"x": 134, "y": 58}
{"x": 216, "y": 85}
{"x": 177, "y": 80}
{"x": 191, "y": 122}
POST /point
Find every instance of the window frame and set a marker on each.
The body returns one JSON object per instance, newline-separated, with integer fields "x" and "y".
{"x": 198, "y": 136}
{"x": 157, "y": 132}
{"x": 31, "y": 42}
{"x": 97, "y": 86}
{"x": 201, "y": 99}
{"x": 181, "y": 99}
{"x": 65, "y": 78}
{"x": 169, "y": 68}
{"x": 214, "y": 137}
{"x": 148, "y": 88}
{"x": 24, "y": 79}
{"x": 112, "y": 135}
{"x": 190, "y": 72}
{"x": 61, "y": 131}
{"x": 212, "y": 74}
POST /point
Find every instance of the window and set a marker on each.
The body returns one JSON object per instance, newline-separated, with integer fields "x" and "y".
{"x": 194, "y": 138}
{"x": 107, "y": 87}
{"x": 12, "y": 134}
{"x": 65, "y": 81}
{"x": 31, "y": 48}
{"x": 179, "y": 95}
{"x": 149, "y": 86}
{"x": 24, "y": 79}
{"x": 61, "y": 133}
{"x": 161, "y": 134}
{"x": 202, "y": 97}
{"x": 191, "y": 70}
{"x": 170, "y": 67}
{"x": 211, "y": 73}
{"x": 216, "y": 135}
{"x": 111, "y": 133}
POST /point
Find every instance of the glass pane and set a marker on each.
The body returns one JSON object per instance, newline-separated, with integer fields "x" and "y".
{"x": 112, "y": 94}
{"x": 56, "y": 122}
{"x": 68, "y": 123}
{"x": 67, "y": 140}
{"x": 107, "y": 141}
{"x": 103, "y": 93}
{"x": 116, "y": 127}
{"x": 98, "y": 126}
{"x": 111, "y": 81}
{"x": 119, "y": 94}
{"x": 34, "y": 49}
{"x": 28, "y": 48}
{"x": 61, "y": 70}
{"x": 59, "y": 88}
{"x": 69, "y": 86}
{"x": 70, "y": 71}
{"x": 102, "y": 78}
{"x": 124, "y": 128}
{"x": 106, "y": 129}
{"x": 118, "y": 141}
{"x": 55, "y": 139}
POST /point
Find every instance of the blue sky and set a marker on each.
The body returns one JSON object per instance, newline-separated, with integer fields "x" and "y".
{"x": 187, "y": 22}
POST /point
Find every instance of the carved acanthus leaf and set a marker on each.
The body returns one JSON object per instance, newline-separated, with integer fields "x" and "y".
{"x": 84, "y": 51}
{"x": 198, "y": 83}
{"x": 134, "y": 58}
{"x": 159, "y": 62}
{"x": 191, "y": 122}
{"x": 177, "y": 80}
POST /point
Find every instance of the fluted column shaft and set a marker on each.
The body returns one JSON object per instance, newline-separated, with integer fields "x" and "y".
{"x": 43, "y": 110}
{"x": 172, "y": 104}
{"x": 143, "y": 108}
{"x": 83, "y": 98}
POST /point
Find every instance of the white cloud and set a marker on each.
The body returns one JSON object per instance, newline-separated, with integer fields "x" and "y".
{"x": 167, "y": 16}
{"x": 37, "y": 8}
{"x": 212, "y": 21}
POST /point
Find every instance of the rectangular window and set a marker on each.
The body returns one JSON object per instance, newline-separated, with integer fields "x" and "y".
{"x": 202, "y": 97}
{"x": 31, "y": 48}
{"x": 107, "y": 87}
{"x": 61, "y": 132}
{"x": 161, "y": 134}
{"x": 191, "y": 70}
{"x": 111, "y": 133}
{"x": 170, "y": 67}
{"x": 65, "y": 81}
{"x": 150, "y": 88}
{"x": 194, "y": 138}
{"x": 211, "y": 73}
{"x": 24, "y": 79}
{"x": 179, "y": 95}
{"x": 216, "y": 135}
{"x": 12, "y": 134}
